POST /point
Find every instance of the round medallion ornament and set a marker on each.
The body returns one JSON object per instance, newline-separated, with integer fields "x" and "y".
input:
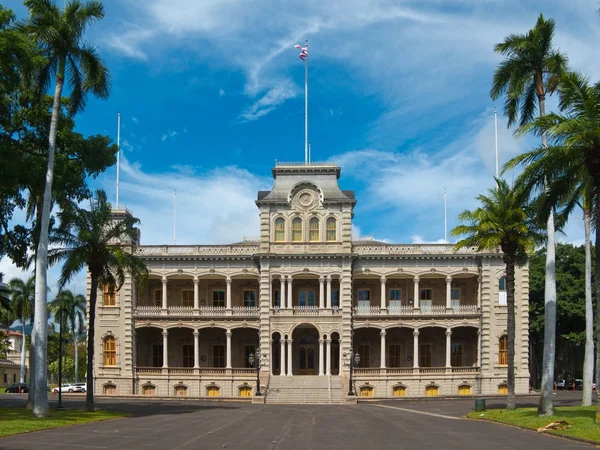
{"x": 306, "y": 199}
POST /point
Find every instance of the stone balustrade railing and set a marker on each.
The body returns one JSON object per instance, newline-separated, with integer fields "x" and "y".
{"x": 188, "y": 311}
{"x": 411, "y": 249}
{"x": 192, "y": 370}
{"x": 174, "y": 250}
{"x": 414, "y": 370}
{"x": 433, "y": 310}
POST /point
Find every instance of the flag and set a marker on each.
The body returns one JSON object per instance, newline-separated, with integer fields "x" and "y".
{"x": 303, "y": 52}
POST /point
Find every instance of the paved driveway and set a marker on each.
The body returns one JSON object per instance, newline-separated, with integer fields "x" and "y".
{"x": 204, "y": 425}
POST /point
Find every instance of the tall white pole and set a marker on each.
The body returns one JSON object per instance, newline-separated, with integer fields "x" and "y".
{"x": 496, "y": 137}
{"x": 306, "y": 106}
{"x": 445, "y": 216}
{"x": 118, "y": 153}
{"x": 175, "y": 217}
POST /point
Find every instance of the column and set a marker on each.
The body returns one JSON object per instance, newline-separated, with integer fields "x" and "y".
{"x": 479, "y": 282}
{"x": 289, "y": 357}
{"x": 382, "y": 303}
{"x": 321, "y": 292}
{"x": 165, "y": 334}
{"x": 196, "y": 296}
{"x": 329, "y": 292}
{"x": 478, "y": 357}
{"x": 228, "y": 334}
{"x": 282, "y": 352}
{"x": 382, "y": 334}
{"x": 341, "y": 364}
{"x": 289, "y": 292}
{"x": 416, "y": 349}
{"x": 448, "y": 292}
{"x": 416, "y": 293}
{"x": 321, "y": 351}
{"x": 448, "y": 347}
{"x": 196, "y": 349}
{"x": 328, "y": 360}
{"x": 282, "y": 292}
{"x": 164, "y": 293}
{"x": 228, "y": 293}
{"x": 271, "y": 359}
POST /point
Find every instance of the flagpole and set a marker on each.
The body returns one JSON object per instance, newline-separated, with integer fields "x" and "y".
{"x": 306, "y": 108}
{"x": 496, "y": 137}
{"x": 445, "y": 216}
{"x": 118, "y": 153}
{"x": 175, "y": 217}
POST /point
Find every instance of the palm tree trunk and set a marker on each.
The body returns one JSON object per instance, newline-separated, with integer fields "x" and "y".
{"x": 597, "y": 286}
{"x": 40, "y": 323}
{"x": 89, "y": 394}
{"x": 22, "y": 374}
{"x": 546, "y": 406}
{"x": 510, "y": 330}
{"x": 588, "y": 361}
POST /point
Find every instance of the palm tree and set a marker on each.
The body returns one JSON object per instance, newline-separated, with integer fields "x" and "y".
{"x": 501, "y": 221}
{"x": 530, "y": 72}
{"x": 71, "y": 309}
{"x": 95, "y": 239}
{"x": 59, "y": 34}
{"x": 22, "y": 301}
{"x": 572, "y": 157}
{"x": 6, "y": 313}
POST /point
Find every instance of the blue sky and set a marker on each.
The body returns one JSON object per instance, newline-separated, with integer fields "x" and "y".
{"x": 211, "y": 94}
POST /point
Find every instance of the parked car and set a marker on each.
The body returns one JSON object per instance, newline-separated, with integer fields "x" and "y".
{"x": 79, "y": 387}
{"x": 64, "y": 388}
{"x": 18, "y": 387}
{"x": 561, "y": 384}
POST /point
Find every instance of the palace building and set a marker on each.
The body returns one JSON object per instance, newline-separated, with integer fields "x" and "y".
{"x": 304, "y": 302}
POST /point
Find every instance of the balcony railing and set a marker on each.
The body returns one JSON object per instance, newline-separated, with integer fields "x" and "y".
{"x": 188, "y": 311}
{"x": 415, "y": 370}
{"x": 245, "y": 311}
{"x": 404, "y": 310}
{"x": 307, "y": 311}
{"x": 192, "y": 371}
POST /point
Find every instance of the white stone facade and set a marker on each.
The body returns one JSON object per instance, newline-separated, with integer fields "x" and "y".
{"x": 423, "y": 319}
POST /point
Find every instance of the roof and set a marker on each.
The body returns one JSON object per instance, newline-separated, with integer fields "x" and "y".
{"x": 9, "y": 364}
{"x": 14, "y": 333}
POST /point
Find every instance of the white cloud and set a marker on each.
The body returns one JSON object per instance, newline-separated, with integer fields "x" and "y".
{"x": 135, "y": 119}
{"x": 269, "y": 101}
{"x": 168, "y": 135}
{"x": 221, "y": 92}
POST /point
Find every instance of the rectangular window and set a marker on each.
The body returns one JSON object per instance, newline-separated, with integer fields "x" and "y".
{"x": 277, "y": 298}
{"x": 218, "y": 297}
{"x": 313, "y": 234}
{"x": 455, "y": 294}
{"x": 364, "y": 298}
{"x": 296, "y": 230}
{"x": 109, "y": 296}
{"x": 218, "y": 355}
{"x": 187, "y": 297}
{"x": 425, "y": 306}
{"x": 394, "y": 359}
{"x": 503, "y": 351}
{"x": 425, "y": 355}
{"x": 250, "y": 298}
{"x": 279, "y": 230}
{"x": 306, "y": 298}
{"x": 157, "y": 355}
{"x": 426, "y": 294}
{"x": 188, "y": 355}
{"x": 5, "y": 378}
{"x": 249, "y": 349}
{"x": 394, "y": 295}
{"x": 456, "y": 355}
{"x": 158, "y": 297}
{"x": 335, "y": 298}
{"x": 365, "y": 355}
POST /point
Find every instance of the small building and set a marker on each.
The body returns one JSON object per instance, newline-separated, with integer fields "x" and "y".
{"x": 9, "y": 373}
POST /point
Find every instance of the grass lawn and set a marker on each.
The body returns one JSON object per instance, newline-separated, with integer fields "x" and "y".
{"x": 20, "y": 420}
{"x": 580, "y": 418}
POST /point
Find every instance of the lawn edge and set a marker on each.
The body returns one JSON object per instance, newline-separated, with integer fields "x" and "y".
{"x": 548, "y": 433}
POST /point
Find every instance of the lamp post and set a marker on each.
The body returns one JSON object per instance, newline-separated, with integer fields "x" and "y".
{"x": 252, "y": 360}
{"x": 60, "y": 343}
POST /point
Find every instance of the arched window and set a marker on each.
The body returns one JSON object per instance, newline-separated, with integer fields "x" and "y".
{"x": 213, "y": 391}
{"x": 245, "y": 391}
{"x": 366, "y": 391}
{"x": 331, "y": 229}
{"x": 502, "y": 284}
{"x": 110, "y": 389}
{"x": 181, "y": 391}
{"x": 503, "y": 389}
{"x": 313, "y": 227}
{"x": 432, "y": 391}
{"x": 109, "y": 297}
{"x": 148, "y": 389}
{"x": 464, "y": 389}
{"x": 279, "y": 230}
{"x": 110, "y": 351}
{"x": 399, "y": 391}
{"x": 503, "y": 351}
{"x": 297, "y": 230}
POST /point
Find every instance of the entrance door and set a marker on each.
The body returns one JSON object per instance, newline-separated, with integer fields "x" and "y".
{"x": 306, "y": 357}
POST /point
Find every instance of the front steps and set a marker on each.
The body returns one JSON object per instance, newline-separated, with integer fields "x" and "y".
{"x": 301, "y": 389}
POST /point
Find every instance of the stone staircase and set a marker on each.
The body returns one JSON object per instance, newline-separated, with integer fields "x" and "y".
{"x": 305, "y": 389}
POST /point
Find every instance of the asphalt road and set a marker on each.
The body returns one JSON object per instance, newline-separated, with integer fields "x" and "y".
{"x": 422, "y": 424}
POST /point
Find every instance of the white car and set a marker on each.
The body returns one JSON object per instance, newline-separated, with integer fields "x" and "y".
{"x": 79, "y": 387}
{"x": 64, "y": 388}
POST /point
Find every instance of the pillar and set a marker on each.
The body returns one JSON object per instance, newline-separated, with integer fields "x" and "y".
{"x": 329, "y": 292}
{"x": 196, "y": 349}
{"x": 165, "y": 335}
{"x": 321, "y": 351}
{"x": 448, "y": 292}
{"x": 478, "y": 357}
{"x": 164, "y": 293}
{"x": 289, "y": 294}
{"x": 289, "y": 357}
{"x": 382, "y": 303}
{"x": 228, "y": 293}
{"x": 479, "y": 283}
{"x": 321, "y": 292}
{"x": 416, "y": 293}
{"x": 271, "y": 359}
{"x": 282, "y": 292}
{"x": 448, "y": 347}
{"x": 196, "y": 296}
{"x": 282, "y": 352}
{"x": 341, "y": 364}
{"x": 382, "y": 357}
{"x": 228, "y": 335}
{"x": 328, "y": 360}
{"x": 416, "y": 349}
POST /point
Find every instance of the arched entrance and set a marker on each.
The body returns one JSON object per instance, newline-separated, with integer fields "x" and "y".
{"x": 305, "y": 350}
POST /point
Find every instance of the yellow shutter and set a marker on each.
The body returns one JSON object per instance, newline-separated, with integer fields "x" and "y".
{"x": 399, "y": 391}
{"x": 432, "y": 391}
